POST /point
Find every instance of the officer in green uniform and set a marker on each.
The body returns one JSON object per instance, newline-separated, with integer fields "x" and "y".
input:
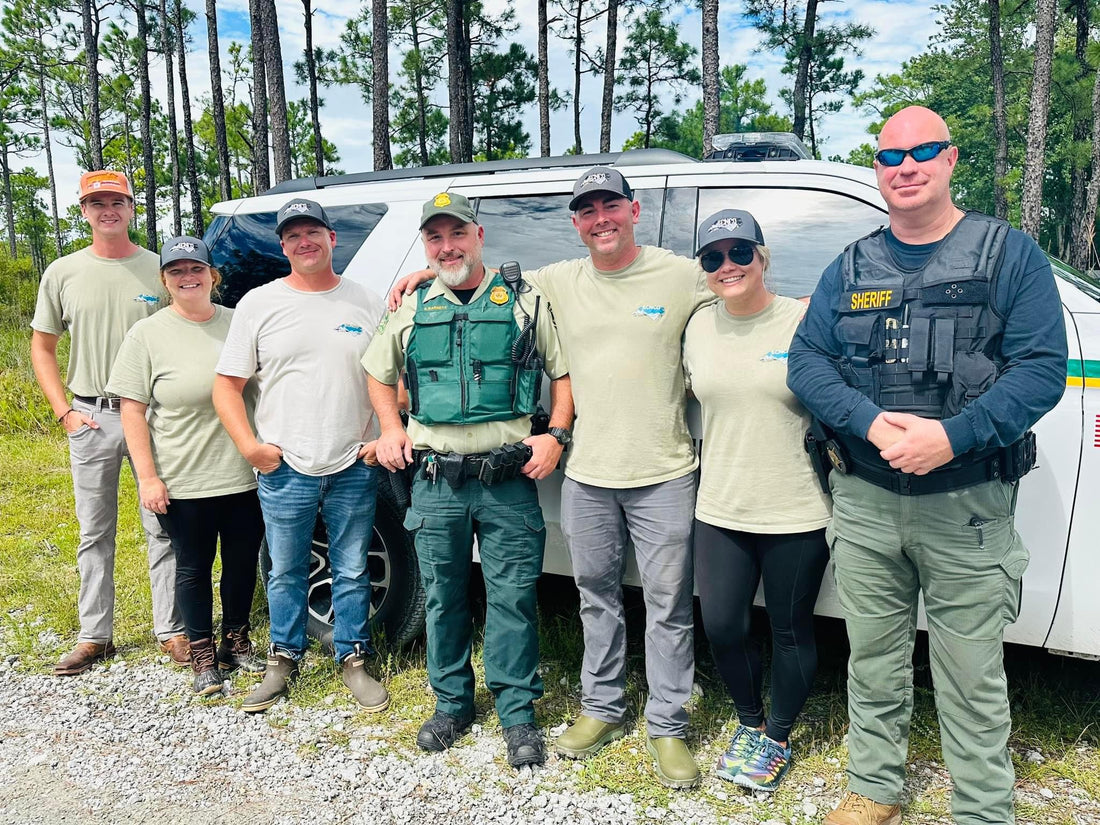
{"x": 473, "y": 346}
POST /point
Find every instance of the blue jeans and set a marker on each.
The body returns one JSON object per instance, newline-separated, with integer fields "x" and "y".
{"x": 290, "y": 501}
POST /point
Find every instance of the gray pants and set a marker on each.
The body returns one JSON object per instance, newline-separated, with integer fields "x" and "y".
{"x": 96, "y": 460}
{"x": 596, "y": 522}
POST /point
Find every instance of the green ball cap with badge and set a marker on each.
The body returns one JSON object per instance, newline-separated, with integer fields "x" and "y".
{"x": 450, "y": 204}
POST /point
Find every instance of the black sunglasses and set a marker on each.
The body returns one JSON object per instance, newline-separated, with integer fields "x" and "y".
{"x": 920, "y": 153}
{"x": 712, "y": 261}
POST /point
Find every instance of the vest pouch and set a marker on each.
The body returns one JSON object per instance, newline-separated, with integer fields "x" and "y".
{"x": 862, "y": 340}
{"x": 974, "y": 374}
{"x": 528, "y": 384}
{"x": 433, "y": 337}
{"x": 488, "y": 361}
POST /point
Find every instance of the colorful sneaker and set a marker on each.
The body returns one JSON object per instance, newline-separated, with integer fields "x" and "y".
{"x": 741, "y": 745}
{"x": 765, "y": 767}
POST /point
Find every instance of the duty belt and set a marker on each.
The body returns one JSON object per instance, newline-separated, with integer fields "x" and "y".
{"x": 855, "y": 456}
{"x": 496, "y": 466}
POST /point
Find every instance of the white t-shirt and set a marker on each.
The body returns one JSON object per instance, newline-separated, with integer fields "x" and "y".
{"x": 756, "y": 475}
{"x": 304, "y": 349}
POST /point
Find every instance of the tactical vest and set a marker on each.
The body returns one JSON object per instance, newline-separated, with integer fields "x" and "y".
{"x": 925, "y": 342}
{"x": 459, "y": 365}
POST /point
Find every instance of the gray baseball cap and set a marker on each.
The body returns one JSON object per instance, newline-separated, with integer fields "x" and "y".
{"x": 301, "y": 208}
{"x": 728, "y": 223}
{"x": 600, "y": 179}
{"x": 184, "y": 248}
{"x": 451, "y": 204}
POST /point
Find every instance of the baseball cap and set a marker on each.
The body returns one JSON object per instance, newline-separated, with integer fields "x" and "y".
{"x": 301, "y": 208}
{"x": 600, "y": 179}
{"x": 448, "y": 203}
{"x": 728, "y": 223}
{"x": 103, "y": 181}
{"x": 184, "y": 248}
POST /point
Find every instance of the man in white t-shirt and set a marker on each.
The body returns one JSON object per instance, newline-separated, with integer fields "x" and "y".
{"x": 96, "y": 295}
{"x": 302, "y": 337}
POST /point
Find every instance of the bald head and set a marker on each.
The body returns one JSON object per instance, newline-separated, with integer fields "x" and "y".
{"x": 912, "y": 126}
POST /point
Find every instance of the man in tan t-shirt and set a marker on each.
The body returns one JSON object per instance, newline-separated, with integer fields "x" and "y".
{"x": 621, "y": 314}
{"x": 97, "y": 294}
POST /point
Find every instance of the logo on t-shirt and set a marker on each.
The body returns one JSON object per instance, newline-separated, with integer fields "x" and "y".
{"x": 147, "y": 299}
{"x": 774, "y": 355}
{"x": 656, "y": 313}
{"x": 351, "y": 329}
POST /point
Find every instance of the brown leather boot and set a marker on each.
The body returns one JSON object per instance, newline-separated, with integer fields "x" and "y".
{"x": 82, "y": 657}
{"x": 208, "y": 678}
{"x": 860, "y": 810}
{"x": 178, "y": 649}
{"x": 236, "y": 651}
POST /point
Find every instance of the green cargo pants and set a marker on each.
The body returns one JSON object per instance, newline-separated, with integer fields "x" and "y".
{"x": 511, "y": 537}
{"x": 961, "y": 551}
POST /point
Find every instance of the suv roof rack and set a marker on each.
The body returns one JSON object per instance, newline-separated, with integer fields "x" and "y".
{"x": 631, "y": 157}
{"x": 756, "y": 146}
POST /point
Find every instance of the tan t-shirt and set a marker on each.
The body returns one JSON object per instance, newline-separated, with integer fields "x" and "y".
{"x": 756, "y": 475}
{"x": 621, "y": 332}
{"x": 168, "y": 363}
{"x": 385, "y": 358}
{"x": 97, "y": 300}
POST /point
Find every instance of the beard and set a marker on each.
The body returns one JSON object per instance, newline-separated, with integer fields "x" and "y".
{"x": 454, "y": 274}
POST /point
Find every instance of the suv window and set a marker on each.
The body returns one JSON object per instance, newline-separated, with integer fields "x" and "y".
{"x": 804, "y": 229}
{"x": 537, "y": 230}
{"x": 246, "y": 250}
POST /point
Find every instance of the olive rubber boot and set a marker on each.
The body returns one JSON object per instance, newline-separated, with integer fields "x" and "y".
{"x": 281, "y": 671}
{"x": 586, "y": 736}
{"x": 673, "y": 762}
{"x": 371, "y": 695}
{"x": 208, "y": 679}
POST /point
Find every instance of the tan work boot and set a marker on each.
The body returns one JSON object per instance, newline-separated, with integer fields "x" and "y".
{"x": 82, "y": 657}
{"x": 371, "y": 695}
{"x": 673, "y": 762}
{"x": 178, "y": 649}
{"x": 281, "y": 671}
{"x": 859, "y": 810}
{"x": 587, "y": 735}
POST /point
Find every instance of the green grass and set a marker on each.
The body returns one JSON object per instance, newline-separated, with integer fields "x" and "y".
{"x": 1056, "y": 702}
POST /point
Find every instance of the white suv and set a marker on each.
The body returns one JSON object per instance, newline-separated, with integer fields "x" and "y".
{"x": 809, "y": 211}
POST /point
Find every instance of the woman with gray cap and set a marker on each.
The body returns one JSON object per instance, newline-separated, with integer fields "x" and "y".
{"x": 189, "y": 472}
{"x": 760, "y": 512}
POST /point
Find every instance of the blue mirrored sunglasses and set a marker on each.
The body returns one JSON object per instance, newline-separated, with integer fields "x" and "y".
{"x": 920, "y": 153}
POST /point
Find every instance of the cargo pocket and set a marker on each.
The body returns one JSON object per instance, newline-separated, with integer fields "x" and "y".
{"x": 413, "y": 521}
{"x": 534, "y": 521}
{"x": 1014, "y": 563}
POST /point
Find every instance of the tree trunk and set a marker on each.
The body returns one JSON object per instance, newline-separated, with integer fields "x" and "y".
{"x": 710, "y": 74}
{"x": 577, "y": 43}
{"x": 607, "y": 105}
{"x": 1084, "y": 225}
{"x": 276, "y": 91}
{"x": 261, "y": 177}
{"x": 801, "y": 79}
{"x": 468, "y": 79}
{"x": 173, "y": 146}
{"x": 91, "y": 64}
{"x": 48, "y": 144}
{"x": 188, "y": 130}
{"x": 458, "y": 74}
{"x": 380, "y": 92}
{"x": 9, "y": 205}
{"x": 1035, "y": 164}
{"x": 221, "y": 139}
{"x": 147, "y": 165}
{"x": 1000, "y": 127}
{"x": 1081, "y": 125}
{"x": 314, "y": 101}
{"x": 544, "y": 83}
{"x": 421, "y": 95}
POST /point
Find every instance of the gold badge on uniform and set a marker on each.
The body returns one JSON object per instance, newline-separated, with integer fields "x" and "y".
{"x": 498, "y": 295}
{"x": 442, "y": 199}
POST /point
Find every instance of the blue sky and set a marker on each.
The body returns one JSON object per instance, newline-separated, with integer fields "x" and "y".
{"x": 903, "y": 29}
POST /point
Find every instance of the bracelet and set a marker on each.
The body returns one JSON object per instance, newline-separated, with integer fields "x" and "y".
{"x": 61, "y": 417}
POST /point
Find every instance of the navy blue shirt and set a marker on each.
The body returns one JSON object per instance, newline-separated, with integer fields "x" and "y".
{"x": 1033, "y": 347}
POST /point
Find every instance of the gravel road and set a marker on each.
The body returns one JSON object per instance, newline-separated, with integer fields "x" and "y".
{"x": 126, "y": 742}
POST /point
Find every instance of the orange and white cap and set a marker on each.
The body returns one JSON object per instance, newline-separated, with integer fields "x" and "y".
{"x": 103, "y": 181}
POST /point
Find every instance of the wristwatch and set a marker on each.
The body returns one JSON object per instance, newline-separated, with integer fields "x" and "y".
{"x": 562, "y": 435}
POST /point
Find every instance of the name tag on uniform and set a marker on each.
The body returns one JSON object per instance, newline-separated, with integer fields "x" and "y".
{"x": 862, "y": 300}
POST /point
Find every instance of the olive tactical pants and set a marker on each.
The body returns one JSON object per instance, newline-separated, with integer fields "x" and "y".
{"x": 961, "y": 551}
{"x": 511, "y": 537}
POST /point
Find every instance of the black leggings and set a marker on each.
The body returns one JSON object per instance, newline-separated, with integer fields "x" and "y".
{"x": 728, "y": 568}
{"x": 194, "y": 525}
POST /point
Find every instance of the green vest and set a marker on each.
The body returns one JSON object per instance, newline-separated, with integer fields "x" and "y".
{"x": 458, "y": 362}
